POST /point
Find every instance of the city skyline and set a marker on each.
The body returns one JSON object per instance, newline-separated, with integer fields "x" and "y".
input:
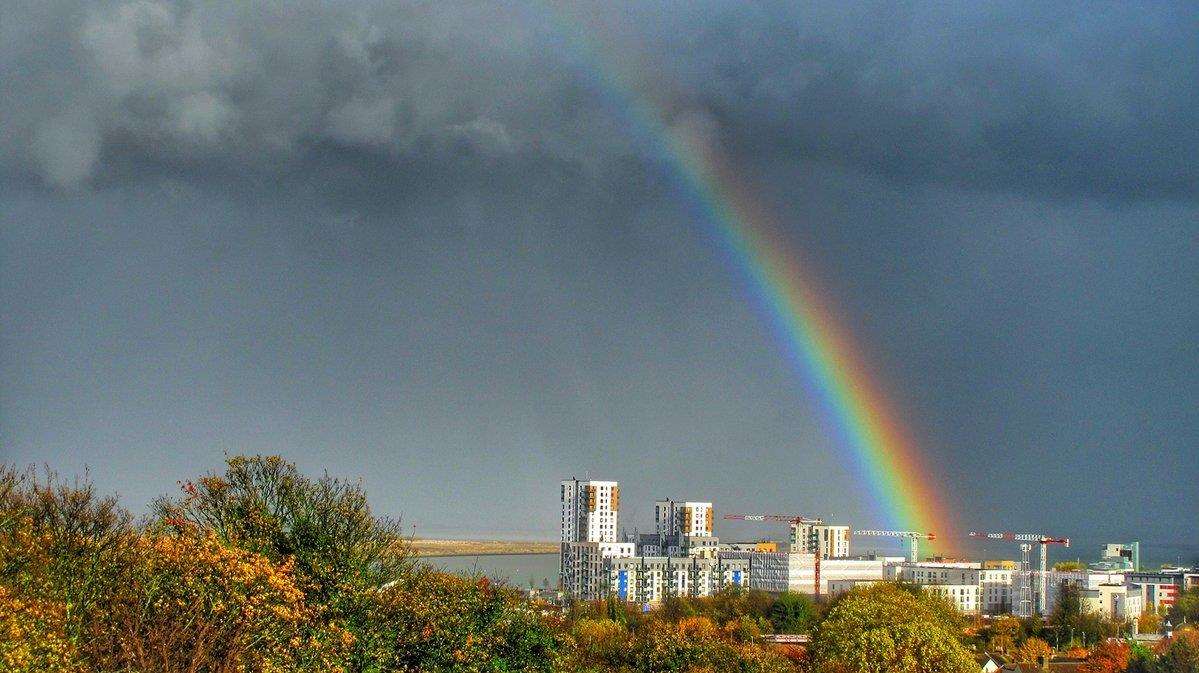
{"x": 446, "y": 252}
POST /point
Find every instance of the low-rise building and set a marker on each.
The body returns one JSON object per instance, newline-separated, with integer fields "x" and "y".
{"x": 1159, "y": 589}
{"x": 1113, "y": 601}
{"x": 649, "y": 579}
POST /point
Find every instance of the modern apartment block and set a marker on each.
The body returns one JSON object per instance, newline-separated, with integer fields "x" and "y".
{"x": 590, "y": 511}
{"x": 680, "y": 529}
{"x": 649, "y": 579}
{"x": 680, "y": 557}
{"x": 1159, "y": 589}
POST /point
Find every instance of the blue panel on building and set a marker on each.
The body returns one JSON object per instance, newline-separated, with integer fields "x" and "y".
{"x": 622, "y": 584}
{"x": 737, "y": 577}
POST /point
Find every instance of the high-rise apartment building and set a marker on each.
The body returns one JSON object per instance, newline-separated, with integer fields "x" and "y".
{"x": 590, "y": 511}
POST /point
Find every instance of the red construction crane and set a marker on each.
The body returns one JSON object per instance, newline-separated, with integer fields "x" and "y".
{"x": 812, "y": 544}
{"x": 1027, "y": 540}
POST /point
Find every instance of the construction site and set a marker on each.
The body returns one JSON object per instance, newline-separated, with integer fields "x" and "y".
{"x": 682, "y": 556}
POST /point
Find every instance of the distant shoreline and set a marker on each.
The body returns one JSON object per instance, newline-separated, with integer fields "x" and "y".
{"x": 489, "y": 553}
{"x": 428, "y": 548}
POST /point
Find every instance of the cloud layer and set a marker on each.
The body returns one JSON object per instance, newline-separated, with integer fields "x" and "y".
{"x": 1085, "y": 99}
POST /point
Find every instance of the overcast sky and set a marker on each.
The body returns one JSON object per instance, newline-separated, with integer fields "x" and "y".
{"x": 415, "y": 243}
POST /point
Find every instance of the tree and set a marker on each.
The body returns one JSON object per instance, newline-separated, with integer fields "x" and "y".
{"x": 886, "y": 628}
{"x": 1005, "y": 632}
{"x": 1032, "y": 650}
{"x": 1069, "y": 606}
{"x": 1149, "y": 621}
{"x": 1110, "y": 656}
{"x": 263, "y": 504}
{"x": 1186, "y": 608}
{"x": 1069, "y": 566}
{"x": 1181, "y": 654}
{"x": 342, "y": 556}
{"x": 792, "y": 613}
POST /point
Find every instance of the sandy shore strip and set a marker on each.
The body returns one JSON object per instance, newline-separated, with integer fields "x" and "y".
{"x": 431, "y": 547}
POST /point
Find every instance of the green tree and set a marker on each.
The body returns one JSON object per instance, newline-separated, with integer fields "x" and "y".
{"x": 344, "y": 558}
{"x": 886, "y": 628}
{"x": 1069, "y": 566}
{"x": 1069, "y": 606}
{"x": 1186, "y": 608}
{"x": 265, "y": 505}
{"x": 792, "y": 613}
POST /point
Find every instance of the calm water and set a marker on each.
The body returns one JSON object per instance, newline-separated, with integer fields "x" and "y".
{"x": 515, "y": 569}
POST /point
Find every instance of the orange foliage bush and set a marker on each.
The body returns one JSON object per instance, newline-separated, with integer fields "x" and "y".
{"x": 1110, "y": 656}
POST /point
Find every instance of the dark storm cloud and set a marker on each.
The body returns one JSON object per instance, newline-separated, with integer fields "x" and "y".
{"x": 1090, "y": 99}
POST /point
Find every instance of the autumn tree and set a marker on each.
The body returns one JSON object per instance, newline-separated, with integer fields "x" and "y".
{"x": 263, "y": 504}
{"x": 1110, "y": 656}
{"x": 887, "y": 628}
{"x": 1032, "y": 650}
{"x": 1005, "y": 632}
{"x": 1180, "y": 655}
{"x": 1149, "y": 621}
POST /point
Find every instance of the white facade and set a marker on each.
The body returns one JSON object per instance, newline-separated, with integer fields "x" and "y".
{"x": 964, "y": 597}
{"x": 646, "y": 579}
{"x": 778, "y": 572}
{"x": 843, "y": 586}
{"x": 1113, "y": 601}
{"x": 589, "y": 510}
{"x": 1085, "y": 580}
{"x": 971, "y": 588}
{"x": 583, "y": 565}
{"x": 996, "y": 596}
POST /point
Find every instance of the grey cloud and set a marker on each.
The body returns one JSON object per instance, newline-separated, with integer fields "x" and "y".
{"x": 1077, "y": 99}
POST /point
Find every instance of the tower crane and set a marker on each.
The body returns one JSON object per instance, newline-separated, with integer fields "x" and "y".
{"x": 911, "y": 536}
{"x": 811, "y": 543}
{"x": 1027, "y": 540}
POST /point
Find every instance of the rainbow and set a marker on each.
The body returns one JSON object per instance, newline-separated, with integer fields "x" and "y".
{"x": 801, "y": 316}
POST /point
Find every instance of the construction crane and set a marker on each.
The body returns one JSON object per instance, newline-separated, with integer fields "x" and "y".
{"x": 811, "y": 544}
{"x": 911, "y": 536}
{"x": 1028, "y": 540}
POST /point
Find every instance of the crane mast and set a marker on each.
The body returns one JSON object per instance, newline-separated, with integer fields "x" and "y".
{"x": 1027, "y": 540}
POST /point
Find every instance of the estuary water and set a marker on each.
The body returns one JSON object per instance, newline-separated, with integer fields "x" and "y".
{"x": 514, "y": 569}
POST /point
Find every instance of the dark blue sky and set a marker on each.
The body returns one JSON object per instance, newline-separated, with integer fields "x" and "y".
{"x": 417, "y": 246}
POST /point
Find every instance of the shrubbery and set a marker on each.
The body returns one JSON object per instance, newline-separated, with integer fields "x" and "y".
{"x": 257, "y": 569}
{"x": 260, "y": 568}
